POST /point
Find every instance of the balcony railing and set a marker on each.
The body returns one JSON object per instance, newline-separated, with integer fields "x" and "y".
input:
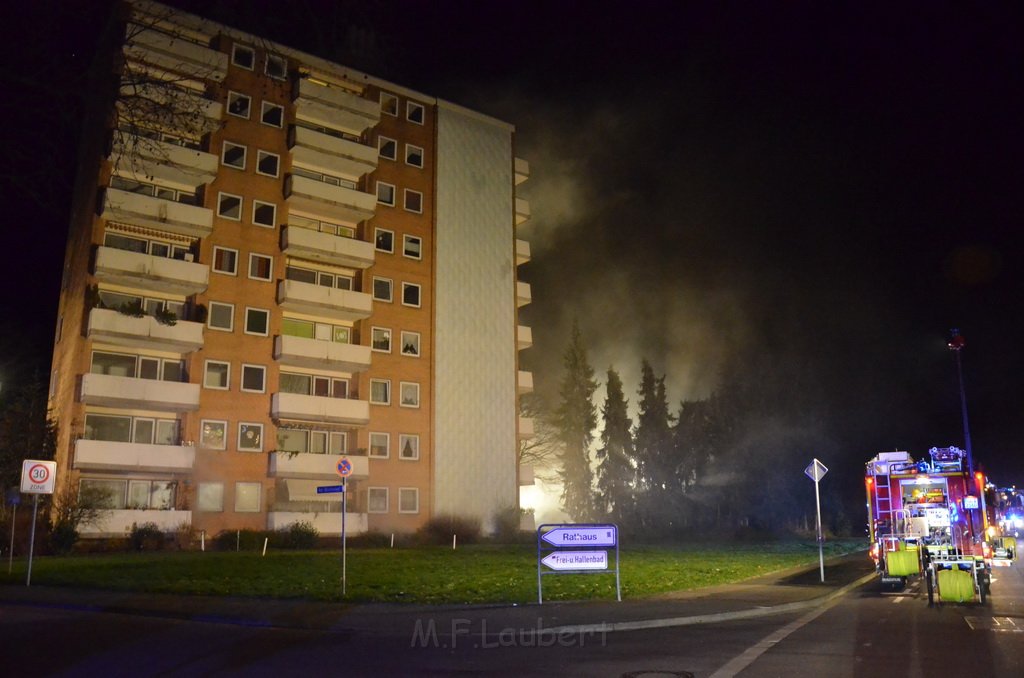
{"x": 524, "y": 382}
{"x": 319, "y": 354}
{"x": 175, "y": 54}
{"x": 522, "y": 252}
{"x": 105, "y": 455}
{"x": 169, "y": 164}
{"x": 339, "y": 203}
{"x": 522, "y": 170}
{"x": 526, "y": 427}
{"x": 148, "y": 272}
{"x": 331, "y": 155}
{"x": 522, "y": 211}
{"x": 164, "y": 215}
{"x": 113, "y": 327}
{"x": 524, "y": 337}
{"x": 119, "y": 522}
{"x": 325, "y": 523}
{"x": 523, "y": 294}
{"x": 329, "y": 302}
{"x": 320, "y": 409}
{"x": 328, "y": 248}
{"x": 312, "y": 466}
{"x": 106, "y": 390}
{"x": 168, "y": 107}
{"x": 334, "y": 107}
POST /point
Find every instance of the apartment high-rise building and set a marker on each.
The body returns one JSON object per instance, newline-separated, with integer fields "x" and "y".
{"x": 276, "y": 261}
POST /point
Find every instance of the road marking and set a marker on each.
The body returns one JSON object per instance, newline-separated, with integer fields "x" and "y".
{"x": 898, "y": 600}
{"x": 996, "y": 624}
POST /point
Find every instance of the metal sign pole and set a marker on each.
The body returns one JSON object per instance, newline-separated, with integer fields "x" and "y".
{"x": 32, "y": 541}
{"x": 344, "y": 503}
{"x": 821, "y": 551}
{"x": 10, "y": 555}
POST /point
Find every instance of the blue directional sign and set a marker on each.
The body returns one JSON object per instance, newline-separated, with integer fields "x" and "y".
{"x": 330, "y": 489}
{"x": 589, "y": 535}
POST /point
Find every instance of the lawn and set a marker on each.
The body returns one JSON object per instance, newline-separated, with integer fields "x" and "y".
{"x": 425, "y": 575}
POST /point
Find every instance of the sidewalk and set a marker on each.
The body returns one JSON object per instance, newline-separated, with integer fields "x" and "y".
{"x": 780, "y": 592}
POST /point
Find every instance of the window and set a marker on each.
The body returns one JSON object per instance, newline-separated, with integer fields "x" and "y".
{"x": 150, "y": 494}
{"x": 264, "y": 213}
{"x": 412, "y": 246}
{"x": 267, "y": 163}
{"x": 233, "y": 155}
{"x": 410, "y": 294}
{"x": 415, "y": 112}
{"x": 217, "y": 374}
{"x": 338, "y": 443}
{"x": 313, "y": 330}
{"x": 225, "y": 260}
{"x": 385, "y": 194}
{"x": 222, "y": 316}
{"x": 384, "y": 240}
{"x": 239, "y": 104}
{"x": 261, "y": 267}
{"x": 277, "y": 66}
{"x": 413, "y": 155}
{"x": 247, "y": 497}
{"x": 111, "y": 491}
{"x": 379, "y": 445}
{"x": 408, "y": 500}
{"x": 377, "y": 499}
{"x": 411, "y": 344}
{"x": 213, "y": 435}
{"x": 272, "y": 114}
{"x": 410, "y": 394}
{"x": 388, "y": 103}
{"x": 254, "y": 378}
{"x": 408, "y": 447}
{"x": 244, "y": 57}
{"x": 382, "y": 289}
{"x": 413, "y": 201}
{"x": 250, "y": 437}
{"x": 387, "y": 148}
{"x": 210, "y": 497}
{"x": 229, "y": 206}
{"x": 257, "y": 321}
{"x": 380, "y": 391}
{"x": 381, "y": 339}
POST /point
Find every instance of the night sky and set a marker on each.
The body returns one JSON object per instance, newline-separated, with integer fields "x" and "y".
{"x": 834, "y": 183}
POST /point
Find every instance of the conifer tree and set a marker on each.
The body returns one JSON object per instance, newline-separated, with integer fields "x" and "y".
{"x": 654, "y": 449}
{"x": 615, "y": 474}
{"x": 576, "y": 418}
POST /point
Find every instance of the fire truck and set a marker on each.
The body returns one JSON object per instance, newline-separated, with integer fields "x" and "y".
{"x": 927, "y": 518}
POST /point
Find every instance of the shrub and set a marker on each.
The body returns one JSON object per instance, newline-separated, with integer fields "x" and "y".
{"x": 439, "y": 530}
{"x": 506, "y": 525}
{"x": 63, "y": 536}
{"x": 297, "y": 536}
{"x": 146, "y": 537}
{"x": 243, "y": 540}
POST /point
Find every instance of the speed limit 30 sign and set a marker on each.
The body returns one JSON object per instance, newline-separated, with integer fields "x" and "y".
{"x": 37, "y": 477}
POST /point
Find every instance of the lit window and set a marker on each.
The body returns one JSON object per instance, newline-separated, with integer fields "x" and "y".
{"x": 229, "y": 206}
{"x": 408, "y": 447}
{"x": 264, "y": 213}
{"x": 217, "y": 374}
{"x": 380, "y": 391}
{"x": 225, "y": 260}
{"x": 247, "y": 497}
{"x": 413, "y": 155}
{"x": 413, "y": 201}
{"x": 267, "y": 163}
{"x": 385, "y": 193}
{"x": 381, "y": 340}
{"x": 379, "y": 445}
{"x": 377, "y": 499}
{"x": 272, "y": 114}
{"x": 233, "y": 155}
{"x": 411, "y": 344}
{"x": 221, "y": 316}
{"x": 384, "y": 240}
{"x": 408, "y": 500}
{"x": 254, "y": 378}
{"x": 277, "y": 66}
{"x": 412, "y": 246}
{"x": 410, "y": 394}
{"x": 257, "y": 321}
{"x": 244, "y": 57}
{"x": 239, "y": 104}
{"x": 213, "y": 434}
{"x": 388, "y": 103}
{"x": 410, "y": 294}
{"x": 415, "y": 112}
{"x": 388, "y": 148}
{"x": 261, "y": 267}
{"x": 381, "y": 289}
{"x": 210, "y": 497}
{"x": 250, "y": 437}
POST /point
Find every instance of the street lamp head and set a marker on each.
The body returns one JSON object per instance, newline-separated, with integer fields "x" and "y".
{"x": 956, "y": 342}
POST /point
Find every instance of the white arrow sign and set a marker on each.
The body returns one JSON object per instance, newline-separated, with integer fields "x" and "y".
{"x": 591, "y": 535}
{"x": 577, "y": 560}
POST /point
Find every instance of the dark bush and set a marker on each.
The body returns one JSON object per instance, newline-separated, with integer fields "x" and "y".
{"x": 439, "y": 530}
{"x": 242, "y": 540}
{"x": 297, "y": 536}
{"x": 146, "y": 537}
{"x": 63, "y": 537}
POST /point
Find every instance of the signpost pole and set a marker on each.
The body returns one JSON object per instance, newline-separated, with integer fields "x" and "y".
{"x": 344, "y": 502}
{"x": 821, "y": 551}
{"x": 32, "y": 540}
{"x": 10, "y": 555}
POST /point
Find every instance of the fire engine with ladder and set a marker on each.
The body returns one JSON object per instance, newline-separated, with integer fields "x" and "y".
{"x": 927, "y": 519}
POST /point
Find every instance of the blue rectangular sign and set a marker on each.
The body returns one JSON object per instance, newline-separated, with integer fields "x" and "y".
{"x": 330, "y": 489}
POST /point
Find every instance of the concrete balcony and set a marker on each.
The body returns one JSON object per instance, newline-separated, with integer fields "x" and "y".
{"x": 526, "y": 475}
{"x": 161, "y": 106}
{"x": 112, "y": 327}
{"x": 104, "y": 455}
{"x": 175, "y": 55}
{"x": 524, "y": 337}
{"x": 144, "y": 271}
{"x": 163, "y": 215}
{"x": 334, "y": 107}
{"x": 106, "y": 390}
{"x": 325, "y": 523}
{"x": 320, "y": 409}
{"x": 522, "y": 211}
{"x": 331, "y": 155}
{"x": 315, "y": 467}
{"x": 522, "y": 170}
{"x": 524, "y": 382}
{"x": 318, "y": 354}
{"x": 328, "y": 302}
{"x": 168, "y": 164}
{"x": 336, "y": 203}
{"x": 523, "y": 294}
{"x": 522, "y": 252}
{"x": 526, "y": 429}
{"x": 328, "y": 248}
{"x": 119, "y": 522}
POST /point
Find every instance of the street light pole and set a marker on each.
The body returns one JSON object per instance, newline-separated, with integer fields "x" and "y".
{"x": 956, "y": 343}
